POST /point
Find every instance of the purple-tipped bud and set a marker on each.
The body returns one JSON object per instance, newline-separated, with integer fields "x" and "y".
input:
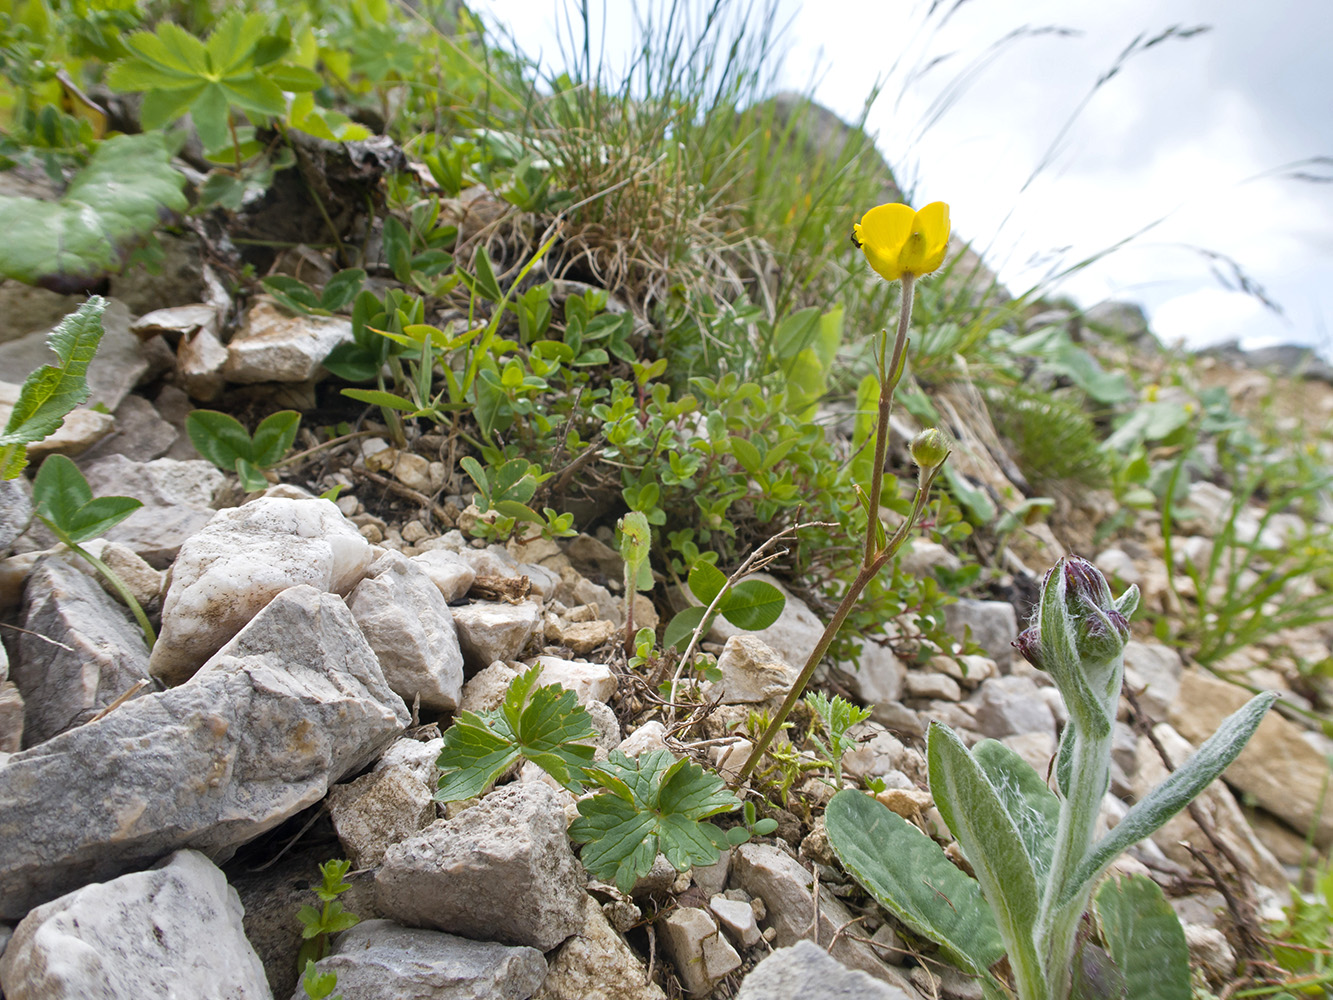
{"x": 1028, "y": 645}
{"x": 1085, "y": 582}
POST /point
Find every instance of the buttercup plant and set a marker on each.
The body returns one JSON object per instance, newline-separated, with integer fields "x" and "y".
{"x": 901, "y": 245}
{"x": 1032, "y": 848}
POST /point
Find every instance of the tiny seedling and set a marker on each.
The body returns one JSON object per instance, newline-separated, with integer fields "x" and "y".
{"x": 319, "y": 985}
{"x": 65, "y": 504}
{"x": 318, "y": 924}
{"x": 546, "y": 726}
{"x": 222, "y": 440}
{"x": 296, "y": 295}
{"x": 838, "y": 715}
{"x": 49, "y": 393}
{"x": 636, "y": 540}
{"x": 650, "y": 803}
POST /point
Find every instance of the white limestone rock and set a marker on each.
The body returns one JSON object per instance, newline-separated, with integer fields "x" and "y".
{"x": 448, "y": 571}
{"x": 172, "y": 931}
{"x": 588, "y": 681}
{"x": 241, "y": 560}
{"x": 752, "y": 672}
{"x": 275, "y": 346}
{"x": 294, "y": 703}
{"x": 701, "y": 954}
{"x": 381, "y": 960}
{"x": 409, "y": 625}
{"x": 490, "y": 631}
{"x": 805, "y": 971}
{"x": 596, "y": 964}
{"x": 501, "y": 871}
{"x": 177, "y": 502}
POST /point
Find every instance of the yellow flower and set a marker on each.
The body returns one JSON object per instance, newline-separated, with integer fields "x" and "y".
{"x": 898, "y": 241}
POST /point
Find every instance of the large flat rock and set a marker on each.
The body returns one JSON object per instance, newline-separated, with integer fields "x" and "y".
{"x": 295, "y": 702}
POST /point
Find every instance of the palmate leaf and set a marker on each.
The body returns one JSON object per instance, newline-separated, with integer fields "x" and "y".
{"x": 177, "y": 73}
{"x": 128, "y": 188}
{"x": 652, "y": 803}
{"x": 546, "y": 726}
{"x": 50, "y": 392}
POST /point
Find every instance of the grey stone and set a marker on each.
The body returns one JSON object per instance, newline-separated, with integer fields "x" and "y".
{"x": 486, "y": 689}
{"x": 787, "y": 891}
{"x": 80, "y": 651}
{"x": 595, "y": 559}
{"x": 140, "y": 434}
{"x": 1008, "y": 705}
{"x": 381, "y": 960}
{"x": 240, "y": 561}
{"x": 924, "y": 684}
{"x": 490, "y": 631}
{"x": 447, "y": 571}
{"x": 291, "y": 705}
{"x": 177, "y": 502}
{"x": 649, "y": 736}
{"x": 993, "y": 625}
{"x": 409, "y": 625}
{"x": 751, "y": 672}
{"x": 273, "y": 346}
{"x": 1154, "y": 670}
{"x": 737, "y": 919}
{"x": 173, "y": 931}
{"x": 876, "y": 679}
{"x": 596, "y": 964}
{"x": 805, "y": 971}
{"x": 200, "y": 358}
{"x": 604, "y": 720}
{"x": 11, "y": 720}
{"x": 15, "y": 511}
{"x": 381, "y": 808}
{"x": 694, "y": 943}
{"x": 500, "y": 871}
{"x": 589, "y": 681}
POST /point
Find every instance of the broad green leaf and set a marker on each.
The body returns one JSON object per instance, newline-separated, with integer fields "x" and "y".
{"x": 654, "y": 802}
{"x": 292, "y": 293}
{"x": 747, "y": 454}
{"x": 546, "y": 725}
{"x": 980, "y": 508}
{"x": 251, "y": 478}
{"x": 342, "y": 288}
{"x": 273, "y": 437}
{"x": 66, "y": 504}
{"x": 636, "y": 539}
{"x": 113, "y": 205}
{"x": 909, "y": 875}
{"x": 990, "y": 841}
{"x": 397, "y": 249}
{"x": 795, "y": 333}
{"x": 1144, "y": 937}
{"x": 706, "y": 582}
{"x": 1177, "y": 791}
{"x": 485, "y": 283}
{"x": 219, "y": 437}
{"x": 353, "y": 362}
{"x": 752, "y": 605}
{"x": 49, "y": 393}
{"x": 1033, "y": 808}
{"x": 681, "y": 627}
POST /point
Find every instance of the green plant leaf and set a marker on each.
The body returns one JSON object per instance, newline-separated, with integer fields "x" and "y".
{"x": 485, "y": 283}
{"x": 353, "y": 362}
{"x": 546, "y": 726}
{"x": 636, "y": 539}
{"x": 681, "y": 627}
{"x": 273, "y": 437}
{"x": 706, "y": 582}
{"x": 377, "y": 397}
{"x": 126, "y": 191}
{"x": 909, "y": 875}
{"x": 653, "y": 802}
{"x": 1177, "y": 791}
{"x": 251, "y": 478}
{"x": 65, "y": 503}
{"x": 1033, "y": 808}
{"x": 991, "y": 842}
{"x": 342, "y": 288}
{"x": 219, "y": 437}
{"x": 397, "y": 249}
{"x": 49, "y": 393}
{"x": 1144, "y": 937}
{"x": 292, "y": 293}
{"x": 752, "y": 605}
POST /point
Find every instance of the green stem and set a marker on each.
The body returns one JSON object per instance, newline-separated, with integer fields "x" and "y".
{"x": 149, "y": 635}
{"x": 875, "y": 557}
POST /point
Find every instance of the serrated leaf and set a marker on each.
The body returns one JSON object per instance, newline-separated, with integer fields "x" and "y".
{"x": 545, "y": 726}
{"x": 752, "y": 605}
{"x": 909, "y": 875}
{"x": 1144, "y": 937}
{"x": 656, "y": 803}
{"x": 112, "y": 207}
{"x": 49, "y": 393}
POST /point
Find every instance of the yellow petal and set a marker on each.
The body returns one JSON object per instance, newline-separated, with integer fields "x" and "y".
{"x": 883, "y": 232}
{"x": 925, "y": 248}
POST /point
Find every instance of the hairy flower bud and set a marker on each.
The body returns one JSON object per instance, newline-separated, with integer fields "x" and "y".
{"x": 930, "y": 448}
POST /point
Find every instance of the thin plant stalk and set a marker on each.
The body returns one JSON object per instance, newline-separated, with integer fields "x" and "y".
{"x": 875, "y": 555}
{"x": 149, "y": 635}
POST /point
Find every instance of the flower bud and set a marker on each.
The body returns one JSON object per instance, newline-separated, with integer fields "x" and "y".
{"x": 929, "y": 448}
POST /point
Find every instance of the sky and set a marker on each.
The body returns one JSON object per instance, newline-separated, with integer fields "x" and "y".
{"x": 1193, "y": 139}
